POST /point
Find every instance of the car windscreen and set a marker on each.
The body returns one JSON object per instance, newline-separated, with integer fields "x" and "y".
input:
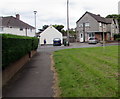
{"x": 56, "y": 39}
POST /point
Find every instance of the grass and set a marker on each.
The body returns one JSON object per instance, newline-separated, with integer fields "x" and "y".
{"x": 88, "y": 72}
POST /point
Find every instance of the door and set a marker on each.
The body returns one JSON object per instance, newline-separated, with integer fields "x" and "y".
{"x": 81, "y": 37}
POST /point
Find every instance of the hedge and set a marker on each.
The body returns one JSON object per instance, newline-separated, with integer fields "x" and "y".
{"x": 14, "y": 47}
{"x": 117, "y": 37}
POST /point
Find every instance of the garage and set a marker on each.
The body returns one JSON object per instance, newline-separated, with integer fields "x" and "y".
{"x": 49, "y": 34}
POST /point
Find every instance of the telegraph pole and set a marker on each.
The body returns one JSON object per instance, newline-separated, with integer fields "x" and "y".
{"x": 68, "y": 21}
{"x": 103, "y": 37}
{"x": 83, "y": 32}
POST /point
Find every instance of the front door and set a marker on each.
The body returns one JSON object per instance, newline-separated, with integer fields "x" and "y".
{"x": 81, "y": 37}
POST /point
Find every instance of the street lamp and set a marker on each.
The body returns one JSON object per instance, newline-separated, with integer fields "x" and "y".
{"x": 35, "y": 21}
{"x": 68, "y": 22}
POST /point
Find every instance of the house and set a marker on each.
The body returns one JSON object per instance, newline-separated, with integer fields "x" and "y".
{"x": 49, "y": 34}
{"x": 13, "y": 25}
{"x": 91, "y": 25}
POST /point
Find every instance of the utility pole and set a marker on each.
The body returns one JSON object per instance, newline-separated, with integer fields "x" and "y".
{"x": 83, "y": 32}
{"x": 103, "y": 36}
{"x": 68, "y": 21}
{"x": 35, "y": 12}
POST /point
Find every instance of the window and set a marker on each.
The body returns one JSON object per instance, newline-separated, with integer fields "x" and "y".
{"x": 1, "y": 29}
{"x": 30, "y": 30}
{"x": 91, "y": 35}
{"x": 87, "y": 24}
{"x": 81, "y": 36}
{"x": 100, "y": 24}
{"x": 81, "y": 25}
{"x": 21, "y": 29}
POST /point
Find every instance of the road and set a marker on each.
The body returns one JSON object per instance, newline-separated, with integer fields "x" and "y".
{"x": 36, "y": 78}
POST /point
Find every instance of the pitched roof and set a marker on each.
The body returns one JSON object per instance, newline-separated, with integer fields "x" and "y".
{"x": 51, "y": 28}
{"x": 14, "y": 22}
{"x": 98, "y": 18}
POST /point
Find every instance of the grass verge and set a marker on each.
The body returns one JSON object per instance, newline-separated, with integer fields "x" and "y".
{"x": 88, "y": 72}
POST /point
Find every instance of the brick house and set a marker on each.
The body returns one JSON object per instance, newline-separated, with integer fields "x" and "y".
{"x": 91, "y": 25}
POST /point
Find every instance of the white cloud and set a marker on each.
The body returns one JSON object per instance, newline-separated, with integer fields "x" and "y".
{"x": 54, "y": 11}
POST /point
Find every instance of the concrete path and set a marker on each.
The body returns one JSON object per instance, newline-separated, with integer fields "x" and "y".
{"x": 36, "y": 78}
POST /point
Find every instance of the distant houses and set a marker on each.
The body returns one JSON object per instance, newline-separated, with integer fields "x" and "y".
{"x": 13, "y": 25}
{"x": 92, "y": 25}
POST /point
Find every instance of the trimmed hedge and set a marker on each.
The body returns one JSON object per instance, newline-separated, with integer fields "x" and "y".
{"x": 117, "y": 37}
{"x": 14, "y": 47}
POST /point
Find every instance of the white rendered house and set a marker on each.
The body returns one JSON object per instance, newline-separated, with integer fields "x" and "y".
{"x": 49, "y": 34}
{"x": 13, "y": 25}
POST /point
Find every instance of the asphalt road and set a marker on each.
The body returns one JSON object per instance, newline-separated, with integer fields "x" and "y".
{"x": 36, "y": 78}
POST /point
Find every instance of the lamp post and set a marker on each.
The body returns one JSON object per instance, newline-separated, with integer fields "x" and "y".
{"x": 35, "y": 12}
{"x": 68, "y": 22}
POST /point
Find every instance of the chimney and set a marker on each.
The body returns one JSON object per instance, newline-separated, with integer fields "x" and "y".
{"x": 98, "y": 14}
{"x": 17, "y": 16}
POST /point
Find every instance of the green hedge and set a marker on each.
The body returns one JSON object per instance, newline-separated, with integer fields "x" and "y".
{"x": 117, "y": 36}
{"x": 14, "y": 47}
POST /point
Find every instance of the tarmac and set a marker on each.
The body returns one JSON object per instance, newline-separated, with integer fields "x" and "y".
{"x": 34, "y": 80}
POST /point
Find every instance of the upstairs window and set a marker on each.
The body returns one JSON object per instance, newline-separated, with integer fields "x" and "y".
{"x": 100, "y": 24}
{"x": 81, "y": 25}
{"x": 87, "y": 24}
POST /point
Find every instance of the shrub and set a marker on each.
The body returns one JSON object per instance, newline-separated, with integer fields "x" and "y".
{"x": 117, "y": 36}
{"x": 14, "y": 47}
{"x": 118, "y": 39}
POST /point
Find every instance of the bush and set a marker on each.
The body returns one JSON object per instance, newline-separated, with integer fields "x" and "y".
{"x": 117, "y": 37}
{"x": 14, "y": 47}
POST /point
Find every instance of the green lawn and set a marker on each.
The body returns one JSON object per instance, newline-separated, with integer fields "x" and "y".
{"x": 88, "y": 72}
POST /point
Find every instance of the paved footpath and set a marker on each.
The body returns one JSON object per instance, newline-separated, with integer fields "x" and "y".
{"x": 36, "y": 78}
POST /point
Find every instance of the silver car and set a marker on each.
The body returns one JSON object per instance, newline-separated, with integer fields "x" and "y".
{"x": 93, "y": 41}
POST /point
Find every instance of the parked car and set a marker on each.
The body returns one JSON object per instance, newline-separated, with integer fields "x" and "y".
{"x": 93, "y": 41}
{"x": 56, "y": 42}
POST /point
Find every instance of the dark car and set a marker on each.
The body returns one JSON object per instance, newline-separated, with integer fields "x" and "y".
{"x": 56, "y": 42}
{"x": 93, "y": 41}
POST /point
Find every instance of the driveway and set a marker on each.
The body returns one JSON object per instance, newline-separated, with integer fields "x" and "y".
{"x": 36, "y": 78}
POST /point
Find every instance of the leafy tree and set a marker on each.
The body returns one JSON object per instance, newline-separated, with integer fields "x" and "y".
{"x": 43, "y": 28}
{"x": 59, "y": 27}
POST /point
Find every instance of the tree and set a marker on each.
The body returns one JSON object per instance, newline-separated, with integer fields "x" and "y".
{"x": 59, "y": 27}
{"x": 43, "y": 28}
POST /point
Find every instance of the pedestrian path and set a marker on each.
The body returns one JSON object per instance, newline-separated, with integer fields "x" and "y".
{"x": 34, "y": 80}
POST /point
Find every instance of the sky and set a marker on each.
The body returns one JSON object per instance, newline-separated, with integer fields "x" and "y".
{"x": 50, "y": 12}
